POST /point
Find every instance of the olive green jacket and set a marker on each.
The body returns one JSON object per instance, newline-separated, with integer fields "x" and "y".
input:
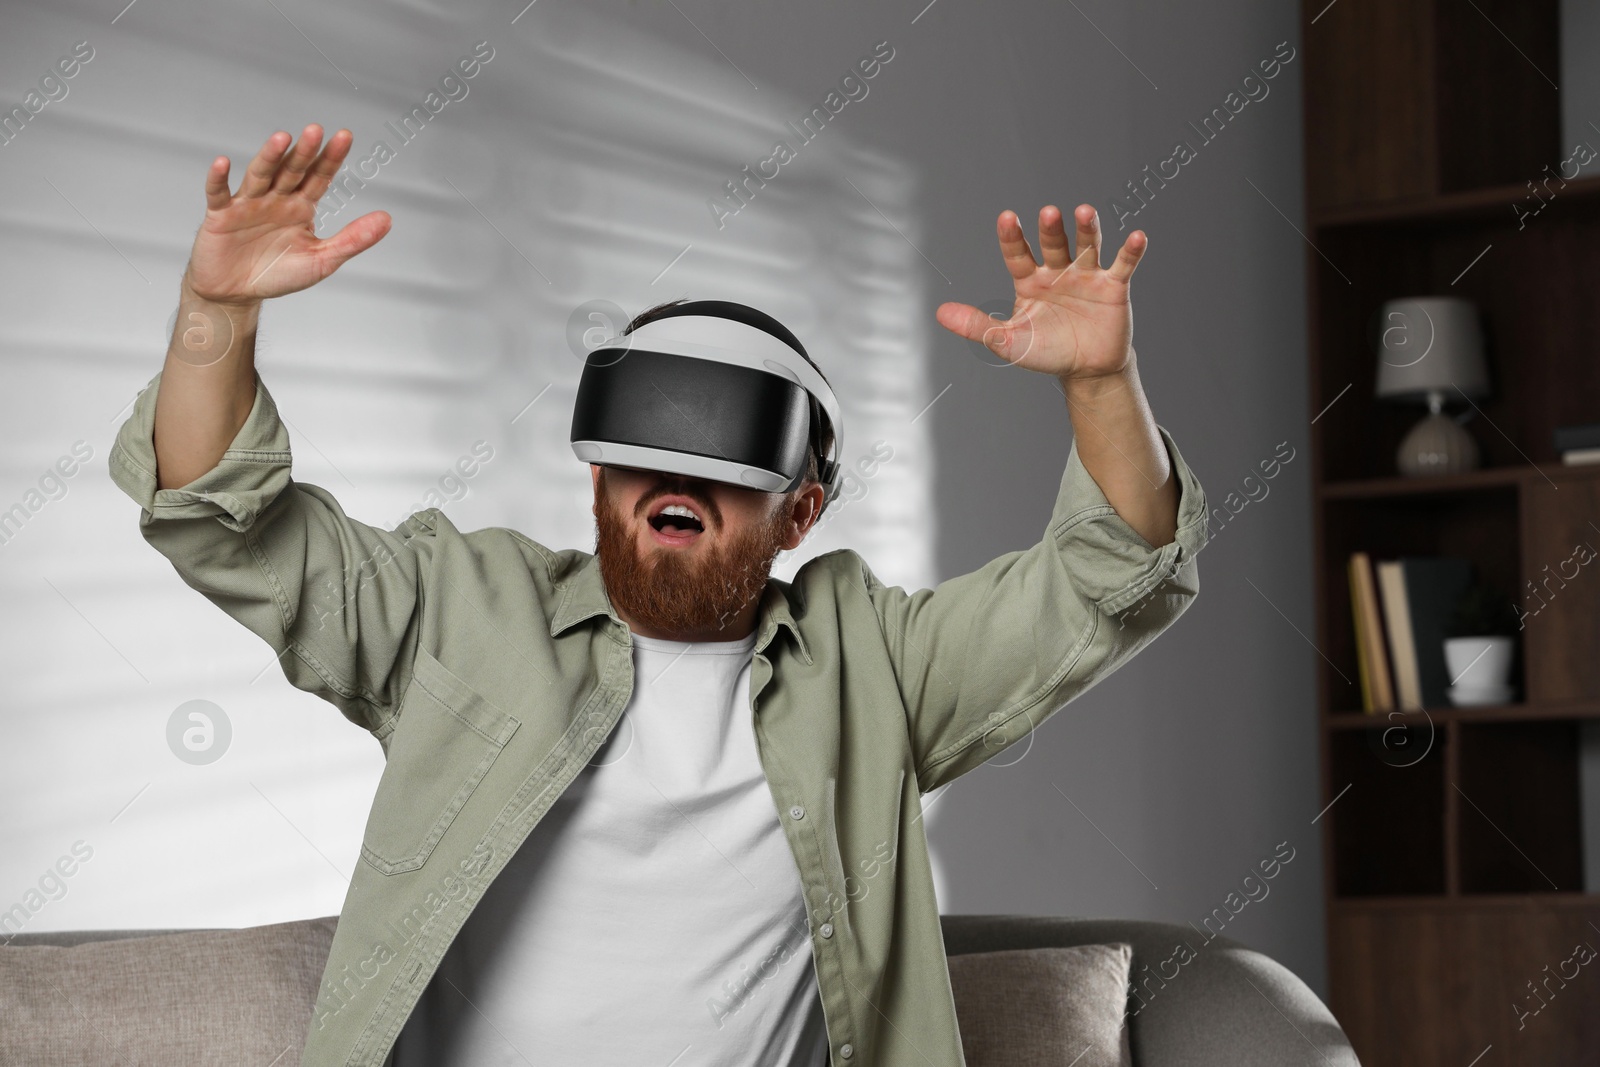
{"x": 490, "y": 668}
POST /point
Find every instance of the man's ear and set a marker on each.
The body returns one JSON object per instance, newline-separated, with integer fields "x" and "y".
{"x": 803, "y": 515}
{"x": 594, "y": 479}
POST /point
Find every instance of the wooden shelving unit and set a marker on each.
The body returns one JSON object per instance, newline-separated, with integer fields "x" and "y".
{"x": 1452, "y": 840}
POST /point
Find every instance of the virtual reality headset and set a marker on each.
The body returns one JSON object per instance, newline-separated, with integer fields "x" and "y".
{"x": 711, "y": 389}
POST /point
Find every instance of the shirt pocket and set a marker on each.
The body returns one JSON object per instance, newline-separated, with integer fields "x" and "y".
{"x": 446, "y": 737}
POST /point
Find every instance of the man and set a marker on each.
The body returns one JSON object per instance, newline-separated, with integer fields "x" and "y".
{"x": 650, "y": 805}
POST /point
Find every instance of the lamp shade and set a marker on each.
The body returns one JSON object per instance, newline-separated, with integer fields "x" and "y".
{"x": 1430, "y": 344}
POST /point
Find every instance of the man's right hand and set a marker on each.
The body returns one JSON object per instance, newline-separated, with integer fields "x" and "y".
{"x": 261, "y": 241}
{"x": 257, "y": 243}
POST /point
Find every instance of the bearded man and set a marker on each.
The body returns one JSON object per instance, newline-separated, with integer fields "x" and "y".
{"x": 650, "y": 805}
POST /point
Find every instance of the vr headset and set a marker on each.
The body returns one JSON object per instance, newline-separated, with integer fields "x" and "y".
{"x": 711, "y": 389}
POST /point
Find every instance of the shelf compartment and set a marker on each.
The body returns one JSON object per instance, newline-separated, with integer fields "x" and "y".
{"x": 1480, "y": 525}
{"x": 1533, "y": 283}
{"x": 1432, "y": 986}
{"x": 1388, "y": 827}
{"x": 1401, "y": 94}
{"x": 1517, "y": 808}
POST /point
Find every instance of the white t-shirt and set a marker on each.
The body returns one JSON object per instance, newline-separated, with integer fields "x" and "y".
{"x": 654, "y": 916}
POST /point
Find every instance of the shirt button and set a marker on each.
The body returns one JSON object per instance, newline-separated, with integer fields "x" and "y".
{"x": 846, "y": 1051}
{"x": 797, "y": 812}
{"x": 826, "y": 930}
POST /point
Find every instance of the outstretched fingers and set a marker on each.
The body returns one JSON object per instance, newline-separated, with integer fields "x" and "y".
{"x": 1014, "y": 246}
{"x": 1053, "y": 238}
{"x": 973, "y": 324}
{"x": 296, "y": 163}
{"x": 357, "y": 236}
{"x": 320, "y": 176}
{"x": 1129, "y": 255}
{"x": 261, "y": 170}
{"x": 1088, "y": 257}
{"x": 217, "y": 184}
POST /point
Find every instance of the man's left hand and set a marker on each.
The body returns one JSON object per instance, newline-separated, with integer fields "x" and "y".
{"x": 1072, "y": 318}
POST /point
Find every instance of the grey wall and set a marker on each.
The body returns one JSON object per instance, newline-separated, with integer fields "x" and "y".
{"x": 1198, "y": 758}
{"x": 1579, "y": 78}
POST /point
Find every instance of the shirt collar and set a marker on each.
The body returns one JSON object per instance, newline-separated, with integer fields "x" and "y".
{"x": 583, "y": 596}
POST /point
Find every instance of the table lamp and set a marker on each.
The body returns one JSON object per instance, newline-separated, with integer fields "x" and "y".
{"x": 1429, "y": 347}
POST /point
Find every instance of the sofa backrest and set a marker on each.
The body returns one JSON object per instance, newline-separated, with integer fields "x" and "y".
{"x": 1193, "y": 1002}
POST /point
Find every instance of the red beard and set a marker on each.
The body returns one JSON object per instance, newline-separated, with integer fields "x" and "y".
{"x": 683, "y": 590}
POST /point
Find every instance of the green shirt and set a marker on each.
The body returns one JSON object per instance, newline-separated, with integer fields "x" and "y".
{"x": 490, "y": 668}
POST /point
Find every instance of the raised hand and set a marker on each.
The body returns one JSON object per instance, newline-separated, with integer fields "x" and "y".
{"x": 1072, "y": 318}
{"x": 261, "y": 241}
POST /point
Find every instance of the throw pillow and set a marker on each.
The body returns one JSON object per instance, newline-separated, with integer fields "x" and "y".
{"x": 1044, "y": 1007}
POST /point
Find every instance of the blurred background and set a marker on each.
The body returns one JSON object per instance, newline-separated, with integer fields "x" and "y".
{"x": 579, "y": 176}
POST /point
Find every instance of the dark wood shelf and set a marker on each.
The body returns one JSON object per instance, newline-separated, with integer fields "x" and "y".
{"x": 1489, "y": 478}
{"x": 1368, "y": 488}
{"x": 1472, "y": 902}
{"x": 1492, "y": 204}
{"x": 1539, "y": 712}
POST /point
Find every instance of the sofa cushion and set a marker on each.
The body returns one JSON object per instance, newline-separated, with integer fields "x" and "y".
{"x": 1044, "y": 1006}
{"x": 197, "y": 997}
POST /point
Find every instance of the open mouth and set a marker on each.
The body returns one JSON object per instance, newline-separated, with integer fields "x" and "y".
{"x": 675, "y": 521}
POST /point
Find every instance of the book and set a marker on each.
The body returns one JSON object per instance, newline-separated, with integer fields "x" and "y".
{"x": 1402, "y": 643}
{"x": 1583, "y": 435}
{"x": 1574, "y": 457}
{"x": 1377, "y": 690}
{"x": 1420, "y": 594}
{"x": 1363, "y": 666}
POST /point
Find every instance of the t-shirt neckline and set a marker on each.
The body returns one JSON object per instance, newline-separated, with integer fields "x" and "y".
{"x": 743, "y": 644}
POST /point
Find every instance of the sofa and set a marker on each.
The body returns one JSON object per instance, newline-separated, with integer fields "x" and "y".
{"x": 1228, "y": 1006}
{"x": 245, "y": 996}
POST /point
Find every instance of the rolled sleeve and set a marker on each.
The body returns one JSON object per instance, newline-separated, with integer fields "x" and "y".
{"x": 1110, "y": 562}
{"x": 249, "y": 476}
{"x": 985, "y": 657}
{"x": 334, "y": 597}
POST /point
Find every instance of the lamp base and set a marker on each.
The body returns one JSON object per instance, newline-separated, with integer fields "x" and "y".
{"x": 1437, "y": 445}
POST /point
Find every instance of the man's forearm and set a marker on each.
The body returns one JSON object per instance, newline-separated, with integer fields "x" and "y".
{"x": 207, "y": 386}
{"x": 1122, "y": 450}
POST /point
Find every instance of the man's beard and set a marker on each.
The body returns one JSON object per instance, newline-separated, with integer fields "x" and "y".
{"x": 682, "y": 590}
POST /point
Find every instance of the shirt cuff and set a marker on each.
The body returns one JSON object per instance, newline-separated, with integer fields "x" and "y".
{"x": 248, "y": 477}
{"x": 1109, "y": 560}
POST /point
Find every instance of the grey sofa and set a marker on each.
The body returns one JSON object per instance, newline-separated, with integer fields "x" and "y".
{"x": 1224, "y": 1005}
{"x": 1229, "y": 1006}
